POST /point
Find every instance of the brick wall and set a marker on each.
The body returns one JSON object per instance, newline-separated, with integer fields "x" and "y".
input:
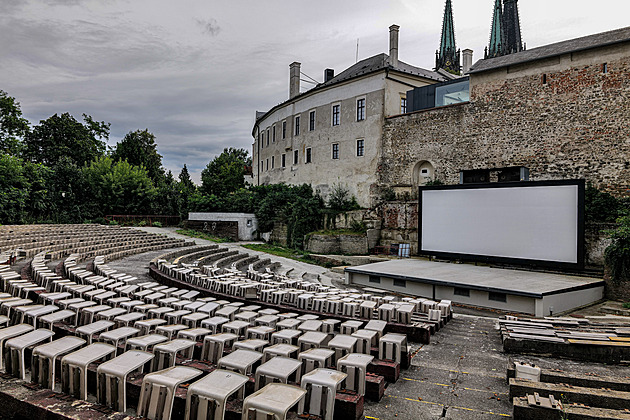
{"x": 576, "y": 125}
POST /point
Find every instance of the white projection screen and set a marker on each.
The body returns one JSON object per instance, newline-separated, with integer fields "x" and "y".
{"x": 538, "y": 223}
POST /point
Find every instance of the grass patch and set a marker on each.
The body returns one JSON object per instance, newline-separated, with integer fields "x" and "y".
{"x": 201, "y": 235}
{"x": 294, "y": 254}
{"x": 626, "y": 305}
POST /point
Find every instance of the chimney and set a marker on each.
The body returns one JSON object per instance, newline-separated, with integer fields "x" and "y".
{"x": 467, "y": 61}
{"x": 393, "y": 45}
{"x": 294, "y": 79}
{"x": 328, "y": 74}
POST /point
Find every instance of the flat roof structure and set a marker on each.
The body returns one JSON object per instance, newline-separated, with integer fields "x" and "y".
{"x": 530, "y": 292}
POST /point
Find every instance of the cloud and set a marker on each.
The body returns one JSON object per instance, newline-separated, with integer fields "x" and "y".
{"x": 210, "y": 27}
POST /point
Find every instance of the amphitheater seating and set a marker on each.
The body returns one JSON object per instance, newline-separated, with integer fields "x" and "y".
{"x": 95, "y": 313}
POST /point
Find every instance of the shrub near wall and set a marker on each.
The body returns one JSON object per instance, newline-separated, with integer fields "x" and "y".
{"x": 617, "y": 259}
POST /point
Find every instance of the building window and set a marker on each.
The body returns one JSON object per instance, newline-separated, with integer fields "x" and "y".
{"x": 375, "y": 279}
{"x": 284, "y": 129}
{"x": 295, "y": 157}
{"x": 497, "y": 297}
{"x": 400, "y": 283}
{"x": 262, "y": 166}
{"x": 268, "y": 137}
{"x": 360, "y": 109}
{"x": 544, "y": 79}
{"x": 605, "y": 68}
{"x": 267, "y": 163}
{"x": 308, "y": 155}
{"x": 297, "y": 125}
{"x": 336, "y": 109}
{"x": 273, "y": 162}
{"x": 311, "y": 121}
{"x": 273, "y": 134}
{"x": 262, "y": 143}
{"x": 360, "y": 147}
{"x": 460, "y": 291}
{"x": 403, "y": 105}
{"x": 284, "y": 160}
{"x": 335, "y": 151}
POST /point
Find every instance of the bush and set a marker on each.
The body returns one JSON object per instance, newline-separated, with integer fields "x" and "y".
{"x": 113, "y": 223}
{"x": 157, "y": 224}
{"x": 617, "y": 255}
{"x": 388, "y": 195}
{"x": 142, "y": 223}
{"x": 602, "y": 207}
{"x": 341, "y": 200}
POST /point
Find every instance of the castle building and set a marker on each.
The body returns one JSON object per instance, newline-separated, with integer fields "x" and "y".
{"x": 560, "y": 110}
{"x": 331, "y": 134}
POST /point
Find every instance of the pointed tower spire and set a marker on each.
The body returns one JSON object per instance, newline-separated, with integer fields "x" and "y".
{"x": 505, "y": 33}
{"x": 497, "y": 36}
{"x": 512, "y": 27}
{"x": 447, "y": 57}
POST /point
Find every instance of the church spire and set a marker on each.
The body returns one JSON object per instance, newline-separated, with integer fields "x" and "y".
{"x": 495, "y": 48}
{"x": 505, "y": 33}
{"x": 447, "y": 57}
{"x": 512, "y": 24}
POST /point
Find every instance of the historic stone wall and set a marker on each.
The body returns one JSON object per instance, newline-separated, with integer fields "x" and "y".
{"x": 563, "y": 120}
{"x": 337, "y": 244}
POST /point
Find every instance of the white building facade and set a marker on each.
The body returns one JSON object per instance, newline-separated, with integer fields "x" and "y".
{"x": 331, "y": 134}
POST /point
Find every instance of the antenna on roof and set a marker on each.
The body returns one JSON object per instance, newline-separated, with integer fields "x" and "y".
{"x": 357, "y": 57}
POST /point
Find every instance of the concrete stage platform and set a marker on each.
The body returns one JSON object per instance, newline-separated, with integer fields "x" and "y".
{"x": 529, "y": 292}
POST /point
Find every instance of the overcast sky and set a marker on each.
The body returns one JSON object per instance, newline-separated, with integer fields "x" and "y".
{"x": 195, "y": 71}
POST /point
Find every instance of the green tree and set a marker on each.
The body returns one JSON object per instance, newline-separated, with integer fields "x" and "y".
{"x": 187, "y": 190}
{"x": 70, "y": 194}
{"x": 38, "y": 200}
{"x": 186, "y": 185}
{"x": 119, "y": 188}
{"x": 168, "y": 199}
{"x": 139, "y": 149}
{"x": 14, "y": 189}
{"x": 13, "y": 127}
{"x": 225, "y": 173}
{"x": 340, "y": 199}
{"x": 62, "y": 135}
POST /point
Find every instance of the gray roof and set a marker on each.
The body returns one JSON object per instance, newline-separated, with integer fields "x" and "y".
{"x": 369, "y": 65}
{"x": 380, "y": 62}
{"x": 578, "y": 44}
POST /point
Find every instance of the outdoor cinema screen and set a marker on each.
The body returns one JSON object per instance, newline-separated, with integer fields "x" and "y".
{"x": 521, "y": 222}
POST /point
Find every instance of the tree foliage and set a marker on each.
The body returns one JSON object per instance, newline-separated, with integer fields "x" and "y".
{"x": 340, "y": 199}
{"x": 139, "y": 149}
{"x": 23, "y": 193}
{"x": 617, "y": 255}
{"x": 63, "y": 136}
{"x": 13, "y": 127}
{"x": 120, "y": 187}
{"x": 225, "y": 173}
{"x": 602, "y": 207}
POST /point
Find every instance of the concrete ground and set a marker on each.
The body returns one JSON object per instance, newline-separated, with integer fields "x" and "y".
{"x": 461, "y": 374}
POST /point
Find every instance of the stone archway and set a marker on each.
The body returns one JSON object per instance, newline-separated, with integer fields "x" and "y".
{"x": 423, "y": 172}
